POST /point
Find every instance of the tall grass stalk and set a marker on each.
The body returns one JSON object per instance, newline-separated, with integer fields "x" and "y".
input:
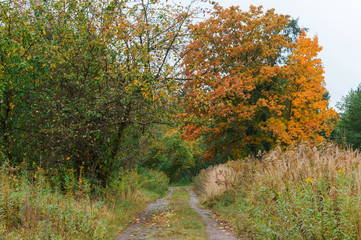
{"x": 30, "y": 208}
{"x": 302, "y": 193}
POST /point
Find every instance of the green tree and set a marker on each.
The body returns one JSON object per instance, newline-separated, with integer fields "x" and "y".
{"x": 77, "y": 75}
{"x": 171, "y": 154}
{"x": 349, "y": 128}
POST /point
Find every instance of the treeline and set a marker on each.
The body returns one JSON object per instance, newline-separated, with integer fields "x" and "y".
{"x": 94, "y": 86}
{"x": 78, "y": 78}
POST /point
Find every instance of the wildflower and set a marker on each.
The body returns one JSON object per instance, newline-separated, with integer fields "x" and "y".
{"x": 341, "y": 170}
{"x": 309, "y": 180}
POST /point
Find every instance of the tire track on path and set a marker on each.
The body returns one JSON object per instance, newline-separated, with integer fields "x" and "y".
{"x": 214, "y": 231}
{"x": 141, "y": 230}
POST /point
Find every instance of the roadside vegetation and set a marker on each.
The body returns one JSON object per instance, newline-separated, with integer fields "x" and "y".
{"x": 302, "y": 192}
{"x": 104, "y": 103}
{"x": 37, "y": 205}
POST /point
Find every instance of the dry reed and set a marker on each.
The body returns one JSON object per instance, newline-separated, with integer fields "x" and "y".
{"x": 303, "y": 192}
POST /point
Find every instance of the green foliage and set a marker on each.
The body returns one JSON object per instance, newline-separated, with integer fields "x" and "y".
{"x": 2, "y": 214}
{"x": 155, "y": 181}
{"x": 76, "y": 75}
{"x": 125, "y": 187}
{"x": 36, "y": 209}
{"x": 171, "y": 155}
{"x": 349, "y": 129}
{"x": 30, "y": 206}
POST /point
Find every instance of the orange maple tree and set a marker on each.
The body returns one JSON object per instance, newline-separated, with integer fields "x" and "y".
{"x": 306, "y": 113}
{"x": 251, "y": 85}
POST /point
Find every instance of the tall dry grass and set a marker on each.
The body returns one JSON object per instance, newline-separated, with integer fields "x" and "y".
{"x": 215, "y": 181}
{"x": 301, "y": 193}
{"x": 32, "y": 208}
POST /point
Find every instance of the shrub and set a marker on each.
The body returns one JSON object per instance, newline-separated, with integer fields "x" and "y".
{"x": 2, "y": 214}
{"x": 170, "y": 155}
{"x": 156, "y": 181}
{"x": 30, "y": 208}
{"x": 33, "y": 208}
{"x": 125, "y": 186}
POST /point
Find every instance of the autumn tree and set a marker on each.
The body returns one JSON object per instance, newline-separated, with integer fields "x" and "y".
{"x": 305, "y": 110}
{"x": 77, "y": 76}
{"x": 252, "y": 83}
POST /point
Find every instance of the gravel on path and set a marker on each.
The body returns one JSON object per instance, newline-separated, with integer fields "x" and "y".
{"x": 215, "y": 232}
{"x": 141, "y": 229}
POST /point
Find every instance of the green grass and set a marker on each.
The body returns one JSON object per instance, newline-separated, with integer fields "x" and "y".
{"x": 181, "y": 222}
{"x": 125, "y": 213}
{"x": 180, "y": 184}
{"x": 30, "y": 208}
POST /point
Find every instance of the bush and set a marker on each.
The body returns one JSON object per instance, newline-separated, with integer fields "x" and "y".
{"x": 156, "y": 181}
{"x": 33, "y": 208}
{"x": 30, "y": 206}
{"x": 170, "y": 155}
{"x": 125, "y": 186}
{"x": 2, "y": 214}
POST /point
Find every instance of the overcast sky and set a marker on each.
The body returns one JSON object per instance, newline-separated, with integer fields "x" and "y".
{"x": 338, "y": 26}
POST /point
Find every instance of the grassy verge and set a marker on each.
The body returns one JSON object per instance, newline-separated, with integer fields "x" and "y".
{"x": 125, "y": 212}
{"x": 32, "y": 207}
{"x": 301, "y": 193}
{"x": 181, "y": 221}
{"x": 180, "y": 184}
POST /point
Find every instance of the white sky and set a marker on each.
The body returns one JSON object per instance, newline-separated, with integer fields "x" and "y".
{"x": 338, "y": 26}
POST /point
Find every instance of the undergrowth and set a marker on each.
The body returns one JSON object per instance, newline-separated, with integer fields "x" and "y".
{"x": 33, "y": 207}
{"x": 301, "y": 193}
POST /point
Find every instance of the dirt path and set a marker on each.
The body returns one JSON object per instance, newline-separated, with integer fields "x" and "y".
{"x": 214, "y": 231}
{"x": 145, "y": 227}
{"x": 142, "y": 228}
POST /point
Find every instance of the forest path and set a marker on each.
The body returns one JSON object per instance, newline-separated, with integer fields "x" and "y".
{"x": 214, "y": 231}
{"x": 176, "y": 216}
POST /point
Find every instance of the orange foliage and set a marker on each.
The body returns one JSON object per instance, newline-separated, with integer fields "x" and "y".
{"x": 307, "y": 113}
{"x": 245, "y": 92}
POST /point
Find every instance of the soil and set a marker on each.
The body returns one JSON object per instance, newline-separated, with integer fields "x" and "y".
{"x": 214, "y": 230}
{"x": 144, "y": 226}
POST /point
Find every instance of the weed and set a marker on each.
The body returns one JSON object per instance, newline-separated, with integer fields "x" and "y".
{"x": 215, "y": 181}
{"x": 31, "y": 208}
{"x": 301, "y": 193}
